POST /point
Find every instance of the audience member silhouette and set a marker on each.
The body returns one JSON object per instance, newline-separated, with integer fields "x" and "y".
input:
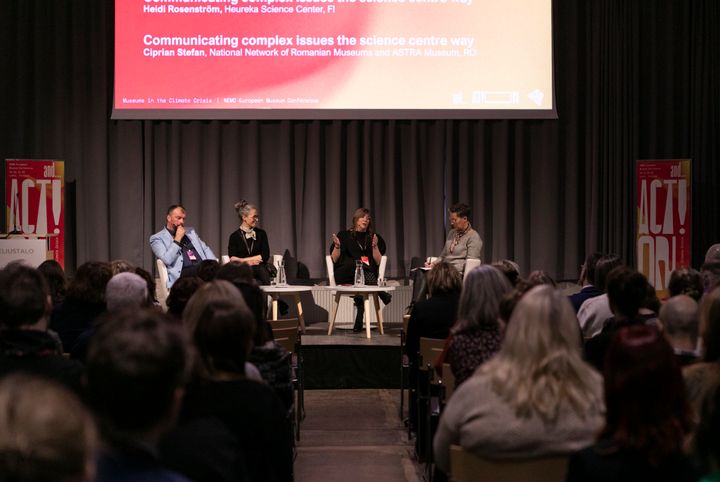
{"x": 686, "y": 281}
{"x": 701, "y": 376}
{"x": 707, "y": 436}
{"x": 586, "y": 281}
{"x": 647, "y": 415}
{"x": 137, "y": 367}
{"x": 477, "y": 334}
{"x": 594, "y": 311}
{"x": 626, "y": 291}
{"x": 510, "y": 269}
{"x": 679, "y": 320}
{"x": 25, "y": 345}
{"x": 180, "y": 293}
{"x": 46, "y": 433}
{"x": 535, "y": 397}
{"x": 56, "y": 280}
{"x": 84, "y": 302}
{"x": 223, "y": 336}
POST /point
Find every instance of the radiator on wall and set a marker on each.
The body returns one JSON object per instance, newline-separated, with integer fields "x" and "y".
{"x": 317, "y": 307}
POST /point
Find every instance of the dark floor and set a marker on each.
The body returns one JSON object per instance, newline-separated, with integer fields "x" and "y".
{"x": 354, "y": 436}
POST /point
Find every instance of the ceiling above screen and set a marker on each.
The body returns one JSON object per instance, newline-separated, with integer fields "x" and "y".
{"x": 333, "y": 59}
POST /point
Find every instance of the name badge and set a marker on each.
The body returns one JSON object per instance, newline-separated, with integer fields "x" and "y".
{"x": 365, "y": 260}
{"x": 191, "y": 255}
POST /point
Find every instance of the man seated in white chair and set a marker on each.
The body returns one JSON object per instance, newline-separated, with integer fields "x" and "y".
{"x": 178, "y": 247}
{"x": 462, "y": 244}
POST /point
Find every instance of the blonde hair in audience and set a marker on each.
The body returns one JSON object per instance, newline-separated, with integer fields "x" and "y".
{"x": 540, "y": 365}
{"x": 46, "y": 433}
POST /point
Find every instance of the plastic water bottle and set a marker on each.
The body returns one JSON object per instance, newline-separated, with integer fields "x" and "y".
{"x": 359, "y": 274}
{"x": 281, "y": 278}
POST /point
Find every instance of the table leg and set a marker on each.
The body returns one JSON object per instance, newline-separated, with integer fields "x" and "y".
{"x": 366, "y": 301}
{"x": 378, "y": 314}
{"x": 301, "y": 318}
{"x": 331, "y": 325}
{"x": 275, "y": 306}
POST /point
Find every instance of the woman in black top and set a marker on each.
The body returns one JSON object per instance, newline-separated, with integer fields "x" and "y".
{"x": 249, "y": 244}
{"x": 358, "y": 243}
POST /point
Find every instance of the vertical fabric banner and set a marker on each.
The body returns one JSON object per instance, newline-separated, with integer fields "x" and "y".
{"x": 35, "y": 201}
{"x": 663, "y": 219}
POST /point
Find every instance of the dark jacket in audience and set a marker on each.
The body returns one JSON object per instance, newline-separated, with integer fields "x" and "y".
{"x": 431, "y": 318}
{"x": 71, "y": 319}
{"x": 596, "y": 347}
{"x": 605, "y": 462}
{"x": 273, "y": 363}
{"x": 205, "y": 450}
{"x": 36, "y": 352}
{"x": 133, "y": 462}
{"x": 577, "y": 299}
{"x": 254, "y": 414}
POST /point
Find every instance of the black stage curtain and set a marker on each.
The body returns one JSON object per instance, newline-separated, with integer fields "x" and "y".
{"x": 634, "y": 80}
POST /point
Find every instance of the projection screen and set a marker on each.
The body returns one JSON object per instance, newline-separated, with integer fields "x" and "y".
{"x": 333, "y": 59}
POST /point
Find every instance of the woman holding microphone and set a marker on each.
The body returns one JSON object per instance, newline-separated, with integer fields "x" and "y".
{"x": 361, "y": 243}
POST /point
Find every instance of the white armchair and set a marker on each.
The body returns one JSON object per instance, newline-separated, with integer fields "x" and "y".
{"x": 346, "y": 310}
{"x": 162, "y": 288}
{"x": 470, "y": 264}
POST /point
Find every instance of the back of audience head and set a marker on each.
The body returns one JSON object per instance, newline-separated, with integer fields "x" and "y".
{"x": 222, "y": 328}
{"x": 121, "y": 266}
{"x": 686, "y": 281}
{"x": 710, "y": 272}
{"x": 644, "y": 393}
{"x": 510, "y": 269}
{"x": 150, "y": 282}
{"x": 541, "y": 358}
{"x": 587, "y": 270}
{"x": 56, "y": 280}
{"x": 679, "y": 317}
{"x": 207, "y": 269}
{"x": 126, "y": 290}
{"x": 180, "y": 293}
{"x": 235, "y": 272}
{"x": 603, "y": 267}
{"x": 444, "y": 278}
{"x": 510, "y": 300}
{"x": 88, "y": 284}
{"x": 480, "y": 298}
{"x": 24, "y": 297}
{"x": 707, "y": 434}
{"x": 136, "y": 367}
{"x": 713, "y": 253}
{"x": 46, "y": 433}
{"x": 627, "y": 290}
{"x": 651, "y": 302}
{"x": 710, "y": 325}
{"x": 255, "y": 301}
{"x": 539, "y": 277}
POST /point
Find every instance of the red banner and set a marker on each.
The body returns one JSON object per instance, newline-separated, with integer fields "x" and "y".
{"x": 663, "y": 219}
{"x": 35, "y": 201}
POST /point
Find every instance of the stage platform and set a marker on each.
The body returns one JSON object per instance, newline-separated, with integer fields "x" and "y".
{"x": 350, "y": 360}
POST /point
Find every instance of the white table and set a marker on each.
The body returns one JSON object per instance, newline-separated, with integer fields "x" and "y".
{"x": 276, "y": 292}
{"x": 365, "y": 292}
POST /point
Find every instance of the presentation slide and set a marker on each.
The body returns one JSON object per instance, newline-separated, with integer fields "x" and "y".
{"x": 333, "y": 59}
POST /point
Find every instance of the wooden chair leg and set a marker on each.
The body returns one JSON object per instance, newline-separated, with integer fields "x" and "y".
{"x": 301, "y": 318}
{"x": 366, "y": 315}
{"x": 378, "y": 313}
{"x": 331, "y": 325}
